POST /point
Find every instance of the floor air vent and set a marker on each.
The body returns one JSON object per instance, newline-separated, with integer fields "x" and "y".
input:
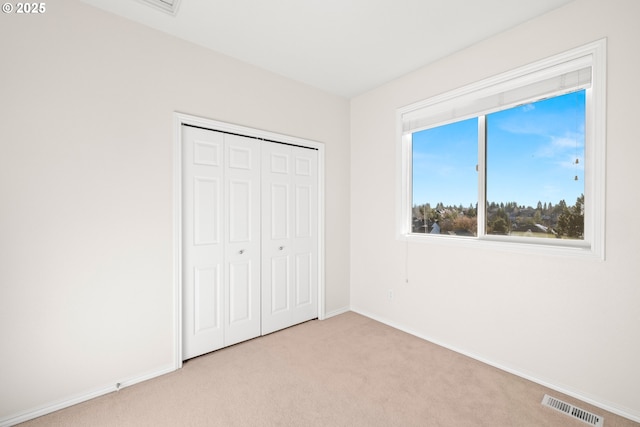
{"x": 572, "y": 411}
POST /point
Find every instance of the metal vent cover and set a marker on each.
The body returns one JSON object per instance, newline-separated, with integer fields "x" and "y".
{"x": 168, "y": 6}
{"x": 573, "y": 411}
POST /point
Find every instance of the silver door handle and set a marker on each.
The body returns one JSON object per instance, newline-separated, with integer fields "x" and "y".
{"x": 281, "y": 248}
{"x": 241, "y": 251}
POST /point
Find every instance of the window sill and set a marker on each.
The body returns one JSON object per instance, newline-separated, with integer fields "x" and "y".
{"x": 525, "y": 246}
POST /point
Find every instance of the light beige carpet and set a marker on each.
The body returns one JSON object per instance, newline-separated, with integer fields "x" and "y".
{"x": 345, "y": 371}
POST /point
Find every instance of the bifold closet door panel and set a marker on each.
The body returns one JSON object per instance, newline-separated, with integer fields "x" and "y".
{"x": 305, "y": 235}
{"x": 289, "y": 236}
{"x": 242, "y": 239}
{"x": 203, "y": 268}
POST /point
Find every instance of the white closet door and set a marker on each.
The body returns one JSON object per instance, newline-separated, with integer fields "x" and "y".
{"x": 289, "y": 236}
{"x": 203, "y": 241}
{"x": 250, "y": 238}
{"x": 242, "y": 239}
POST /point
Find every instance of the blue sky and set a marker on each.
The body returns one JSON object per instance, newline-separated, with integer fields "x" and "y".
{"x": 531, "y": 153}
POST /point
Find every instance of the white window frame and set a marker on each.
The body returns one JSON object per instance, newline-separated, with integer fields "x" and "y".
{"x": 593, "y": 244}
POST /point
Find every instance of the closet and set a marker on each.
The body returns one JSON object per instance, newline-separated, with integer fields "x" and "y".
{"x": 249, "y": 238}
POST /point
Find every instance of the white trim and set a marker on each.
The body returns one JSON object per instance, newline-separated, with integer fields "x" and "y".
{"x": 597, "y": 163}
{"x": 403, "y": 181}
{"x": 177, "y": 242}
{"x": 607, "y": 407}
{"x": 246, "y": 131}
{"x": 530, "y": 73}
{"x": 83, "y": 397}
{"x": 321, "y": 233}
{"x": 337, "y": 312}
{"x": 595, "y": 158}
{"x": 179, "y": 120}
{"x": 481, "y": 173}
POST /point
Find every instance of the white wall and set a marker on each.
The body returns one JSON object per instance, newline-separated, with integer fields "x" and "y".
{"x": 570, "y": 323}
{"x": 86, "y": 103}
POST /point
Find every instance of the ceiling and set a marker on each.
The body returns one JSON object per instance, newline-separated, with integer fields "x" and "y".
{"x": 344, "y": 47}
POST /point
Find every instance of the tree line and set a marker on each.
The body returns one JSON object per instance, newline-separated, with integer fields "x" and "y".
{"x": 545, "y": 220}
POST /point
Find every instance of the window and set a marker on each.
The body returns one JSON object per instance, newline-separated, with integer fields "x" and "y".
{"x": 517, "y": 160}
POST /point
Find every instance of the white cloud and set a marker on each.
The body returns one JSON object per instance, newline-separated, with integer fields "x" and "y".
{"x": 570, "y": 144}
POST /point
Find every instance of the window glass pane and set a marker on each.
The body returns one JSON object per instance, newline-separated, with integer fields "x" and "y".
{"x": 535, "y": 169}
{"x": 445, "y": 181}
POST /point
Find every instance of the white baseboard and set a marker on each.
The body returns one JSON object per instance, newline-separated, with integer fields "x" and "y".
{"x": 55, "y": 406}
{"x": 336, "y": 312}
{"x": 82, "y": 397}
{"x": 607, "y": 407}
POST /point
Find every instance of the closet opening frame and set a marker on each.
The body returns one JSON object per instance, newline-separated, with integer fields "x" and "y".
{"x": 180, "y": 119}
